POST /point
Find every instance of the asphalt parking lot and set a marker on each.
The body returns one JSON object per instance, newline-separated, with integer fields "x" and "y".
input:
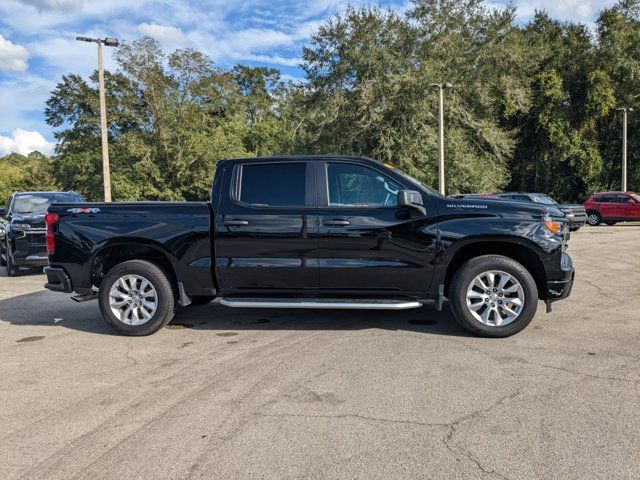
{"x": 224, "y": 393}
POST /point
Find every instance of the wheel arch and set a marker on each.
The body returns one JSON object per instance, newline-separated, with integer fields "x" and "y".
{"x": 521, "y": 253}
{"x": 123, "y": 249}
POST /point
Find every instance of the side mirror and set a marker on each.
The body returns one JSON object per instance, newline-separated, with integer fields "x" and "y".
{"x": 411, "y": 199}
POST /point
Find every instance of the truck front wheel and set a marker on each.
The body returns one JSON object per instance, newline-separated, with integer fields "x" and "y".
{"x": 136, "y": 298}
{"x": 12, "y": 270}
{"x": 493, "y": 296}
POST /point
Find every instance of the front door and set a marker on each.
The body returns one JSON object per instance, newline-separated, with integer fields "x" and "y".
{"x": 624, "y": 209}
{"x": 368, "y": 243}
{"x": 266, "y": 228}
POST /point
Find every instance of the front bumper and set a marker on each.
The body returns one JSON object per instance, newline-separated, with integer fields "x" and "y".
{"x": 58, "y": 280}
{"x": 562, "y": 283}
{"x": 28, "y": 249}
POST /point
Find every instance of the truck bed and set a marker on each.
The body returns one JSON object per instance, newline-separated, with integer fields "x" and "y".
{"x": 88, "y": 235}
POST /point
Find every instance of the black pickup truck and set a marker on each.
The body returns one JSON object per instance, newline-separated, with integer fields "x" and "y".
{"x": 22, "y": 229}
{"x": 312, "y": 232}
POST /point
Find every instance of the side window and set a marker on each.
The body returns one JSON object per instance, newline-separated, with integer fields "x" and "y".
{"x": 273, "y": 184}
{"x": 524, "y": 198}
{"x": 622, "y": 199}
{"x": 605, "y": 199}
{"x": 355, "y": 185}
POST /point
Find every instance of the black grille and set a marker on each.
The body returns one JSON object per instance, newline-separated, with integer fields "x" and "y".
{"x": 36, "y": 239}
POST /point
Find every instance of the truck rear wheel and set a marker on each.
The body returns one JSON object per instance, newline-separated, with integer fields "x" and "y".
{"x": 493, "y": 296}
{"x": 136, "y": 298}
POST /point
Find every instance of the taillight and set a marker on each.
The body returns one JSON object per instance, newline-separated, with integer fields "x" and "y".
{"x": 51, "y": 219}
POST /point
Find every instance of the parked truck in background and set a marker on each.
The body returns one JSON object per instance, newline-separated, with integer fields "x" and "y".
{"x": 22, "y": 229}
{"x": 312, "y": 232}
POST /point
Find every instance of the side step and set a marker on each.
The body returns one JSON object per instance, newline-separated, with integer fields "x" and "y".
{"x": 324, "y": 303}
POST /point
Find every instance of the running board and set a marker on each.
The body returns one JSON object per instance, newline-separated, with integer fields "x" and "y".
{"x": 320, "y": 303}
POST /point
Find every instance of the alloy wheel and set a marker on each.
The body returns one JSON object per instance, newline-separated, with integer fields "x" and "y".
{"x": 495, "y": 298}
{"x": 133, "y": 300}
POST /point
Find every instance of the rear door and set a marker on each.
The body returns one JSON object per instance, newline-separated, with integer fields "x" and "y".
{"x": 368, "y": 243}
{"x": 266, "y": 227}
{"x": 606, "y": 206}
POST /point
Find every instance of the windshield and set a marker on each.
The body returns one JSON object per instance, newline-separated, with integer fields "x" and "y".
{"x": 636, "y": 197}
{"x": 38, "y": 203}
{"x": 546, "y": 199}
{"x": 416, "y": 182}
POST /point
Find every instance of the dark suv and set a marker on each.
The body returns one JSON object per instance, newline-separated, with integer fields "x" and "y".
{"x": 612, "y": 207}
{"x": 22, "y": 229}
{"x": 576, "y": 214}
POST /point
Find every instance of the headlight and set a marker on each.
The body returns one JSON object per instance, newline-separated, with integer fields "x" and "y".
{"x": 21, "y": 226}
{"x": 552, "y": 225}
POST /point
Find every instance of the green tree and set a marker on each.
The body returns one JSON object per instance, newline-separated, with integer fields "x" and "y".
{"x": 25, "y": 173}
{"x": 171, "y": 117}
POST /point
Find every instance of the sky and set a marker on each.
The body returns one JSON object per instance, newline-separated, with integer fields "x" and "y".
{"x": 37, "y": 42}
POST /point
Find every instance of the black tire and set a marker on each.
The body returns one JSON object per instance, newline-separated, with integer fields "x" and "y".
{"x": 594, "y": 219}
{"x": 12, "y": 270}
{"x": 201, "y": 299}
{"x": 476, "y": 266}
{"x": 611, "y": 224}
{"x": 166, "y": 303}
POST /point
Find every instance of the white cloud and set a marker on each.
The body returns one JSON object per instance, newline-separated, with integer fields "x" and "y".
{"x": 22, "y": 102}
{"x": 275, "y": 60}
{"x": 25, "y": 142}
{"x": 67, "y": 55}
{"x": 13, "y": 57}
{"x": 53, "y": 4}
{"x": 568, "y": 10}
{"x": 163, "y": 33}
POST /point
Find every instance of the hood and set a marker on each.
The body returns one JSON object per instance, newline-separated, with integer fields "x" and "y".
{"x": 571, "y": 207}
{"x": 35, "y": 221}
{"x": 500, "y": 205}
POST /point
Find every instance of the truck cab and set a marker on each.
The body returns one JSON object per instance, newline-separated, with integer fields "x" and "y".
{"x": 313, "y": 232}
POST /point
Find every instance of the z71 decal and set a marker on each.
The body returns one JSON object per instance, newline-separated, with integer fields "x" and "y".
{"x": 83, "y": 210}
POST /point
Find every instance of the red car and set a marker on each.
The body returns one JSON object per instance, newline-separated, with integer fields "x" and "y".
{"x": 612, "y": 207}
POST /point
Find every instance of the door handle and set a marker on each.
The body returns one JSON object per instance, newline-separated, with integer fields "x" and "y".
{"x": 337, "y": 223}
{"x": 235, "y": 223}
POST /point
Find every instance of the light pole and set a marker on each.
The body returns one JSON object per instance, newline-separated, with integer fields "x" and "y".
{"x": 441, "y": 88}
{"x": 624, "y": 111}
{"x": 106, "y": 172}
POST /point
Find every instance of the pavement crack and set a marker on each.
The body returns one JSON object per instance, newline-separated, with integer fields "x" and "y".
{"x": 581, "y": 374}
{"x": 498, "y": 358}
{"x": 458, "y": 450}
{"x": 356, "y": 416}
